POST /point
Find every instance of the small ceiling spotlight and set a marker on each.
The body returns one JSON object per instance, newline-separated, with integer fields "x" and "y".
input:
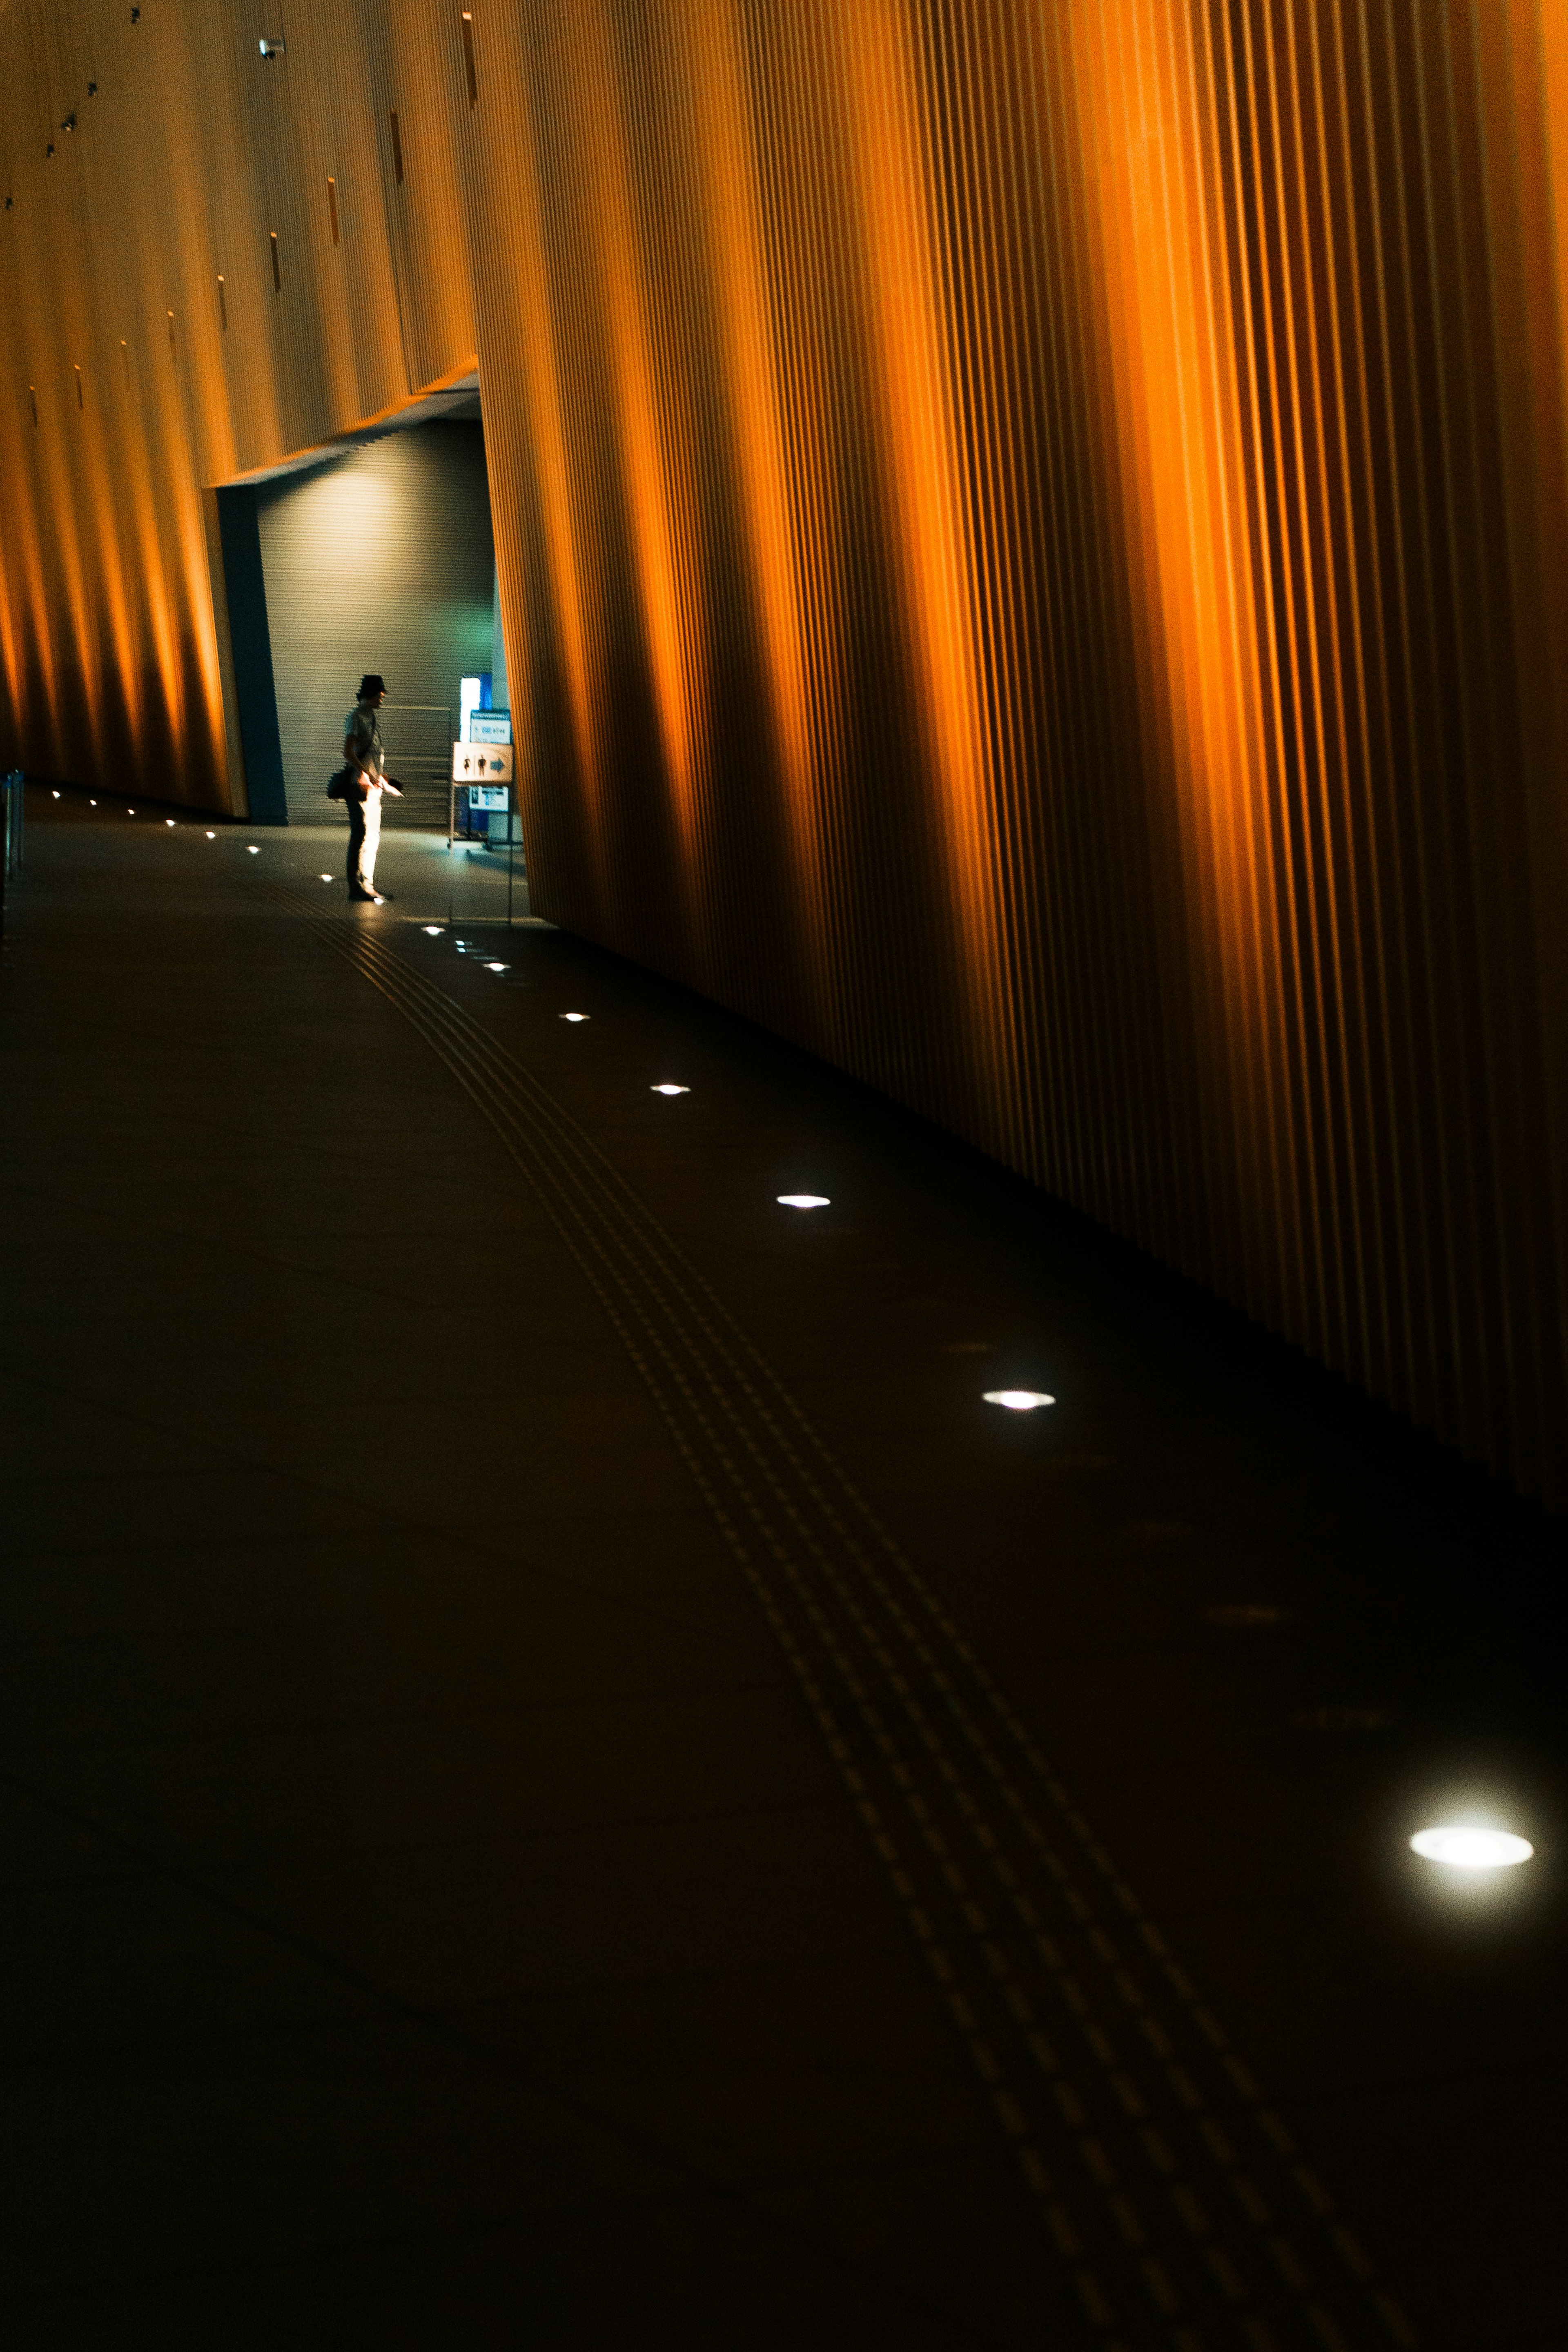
{"x": 1018, "y": 1400}
{"x": 136, "y": 15}
{"x": 70, "y": 122}
{"x": 212, "y": 836}
{"x": 252, "y": 850}
{"x": 1469, "y": 1846}
{"x": 92, "y": 90}
{"x": 51, "y": 148}
{"x": 669, "y": 1089}
{"x": 804, "y": 1200}
{"x": 433, "y": 930}
{"x": 271, "y": 49}
{"x": 170, "y": 823}
{"x": 129, "y": 812}
{"x": 56, "y": 796}
{"x": 497, "y": 967}
{"x": 576, "y": 1016}
{"x": 92, "y": 804}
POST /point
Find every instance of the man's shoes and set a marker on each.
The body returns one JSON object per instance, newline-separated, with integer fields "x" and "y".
{"x": 381, "y": 896}
{"x": 363, "y": 897}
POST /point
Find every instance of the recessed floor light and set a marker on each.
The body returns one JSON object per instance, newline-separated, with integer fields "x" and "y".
{"x": 497, "y": 967}
{"x": 804, "y": 1200}
{"x": 668, "y": 1089}
{"x": 326, "y": 878}
{"x": 576, "y": 1016}
{"x": 252, "y": 849}
{"x": 212, "y": 836}
{"x": 129, "y": 812}
{"x": 433, "y": 930}
{"x": 92, "y": 804}
{"x": 56, "y": 796}
{"x": 170, "y": 823}
{"x": 1463, "y": 1846}
{"x": 1018, "y": 1400}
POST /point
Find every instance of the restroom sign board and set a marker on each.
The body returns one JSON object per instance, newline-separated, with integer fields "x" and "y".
{"x": 481, "y": 764}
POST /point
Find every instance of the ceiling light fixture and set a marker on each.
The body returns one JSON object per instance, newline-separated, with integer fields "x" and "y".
{"x": 804, "y": 1200}
{"x": 1018, "y": 1400}
{"x": 576, "y": 1016}
{"x": 669, "y": 1089}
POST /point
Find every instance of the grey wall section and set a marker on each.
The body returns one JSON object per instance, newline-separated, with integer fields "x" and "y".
{"x": 250, "y": 639}
{"x": 383, "y": 561}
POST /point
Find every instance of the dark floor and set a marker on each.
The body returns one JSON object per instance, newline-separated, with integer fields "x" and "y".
{"x": 568, "y": 1782}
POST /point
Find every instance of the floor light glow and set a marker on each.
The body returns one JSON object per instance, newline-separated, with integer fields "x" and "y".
{"x": 1465, "y": 1846}
{"x": 433, "y": 930}
{"x": 253, "y": 850}
{"x": 497, "y": 967}
{"x": 1018, "y": 1400}
{"x": 212, "y": 836}
{"x": 170, "y": 823}
{"x": 576, "y": 1016}
{"x": 804, "y": 1200}
{"x": 669, "y": 1090}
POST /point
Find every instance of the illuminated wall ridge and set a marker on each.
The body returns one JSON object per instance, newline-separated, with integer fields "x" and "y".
{"x": 1031, "y": 544}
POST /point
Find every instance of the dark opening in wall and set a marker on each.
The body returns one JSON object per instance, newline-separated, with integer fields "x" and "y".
{"x": 416, "y": 603}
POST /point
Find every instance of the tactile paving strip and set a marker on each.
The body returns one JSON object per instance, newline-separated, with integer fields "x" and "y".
{"x": 1176, "y": 2196}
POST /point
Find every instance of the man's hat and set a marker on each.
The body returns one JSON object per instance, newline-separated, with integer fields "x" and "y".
{"x": 370, "y": 684}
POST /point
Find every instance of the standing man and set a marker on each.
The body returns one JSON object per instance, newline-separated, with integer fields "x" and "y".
{"x": 366, "y": 764}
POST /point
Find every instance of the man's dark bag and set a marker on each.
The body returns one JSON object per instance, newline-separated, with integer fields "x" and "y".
{"x": 346, "y": 785}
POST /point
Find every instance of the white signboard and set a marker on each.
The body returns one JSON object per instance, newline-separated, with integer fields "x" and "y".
{"x": 481, "y": 764}
{"x": 490, "y": 727}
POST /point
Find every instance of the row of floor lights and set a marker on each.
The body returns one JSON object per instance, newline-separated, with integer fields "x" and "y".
{"x": 1471, "y": 1850}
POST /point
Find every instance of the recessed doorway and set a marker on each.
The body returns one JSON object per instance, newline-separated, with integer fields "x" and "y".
{"x": 376, "y": 555}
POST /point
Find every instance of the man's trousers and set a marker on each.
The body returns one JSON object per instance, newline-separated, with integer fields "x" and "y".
{"x": 365, "y": 839}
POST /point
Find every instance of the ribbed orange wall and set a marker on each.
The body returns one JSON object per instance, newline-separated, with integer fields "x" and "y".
{"x": 1031, "y": 541}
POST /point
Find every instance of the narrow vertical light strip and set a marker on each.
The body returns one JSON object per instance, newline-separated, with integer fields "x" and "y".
{"x": 469, "y": 64}
{"x": 333, "y": 205}
{"x": 735, "y": 245}
{"x": 922, "y": 441}
{"x": 676, "y": 680}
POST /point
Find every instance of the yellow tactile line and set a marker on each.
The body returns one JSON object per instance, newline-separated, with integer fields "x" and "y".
{"x": 456, "y": 1045}
{"x": 1289, "y": 2267}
